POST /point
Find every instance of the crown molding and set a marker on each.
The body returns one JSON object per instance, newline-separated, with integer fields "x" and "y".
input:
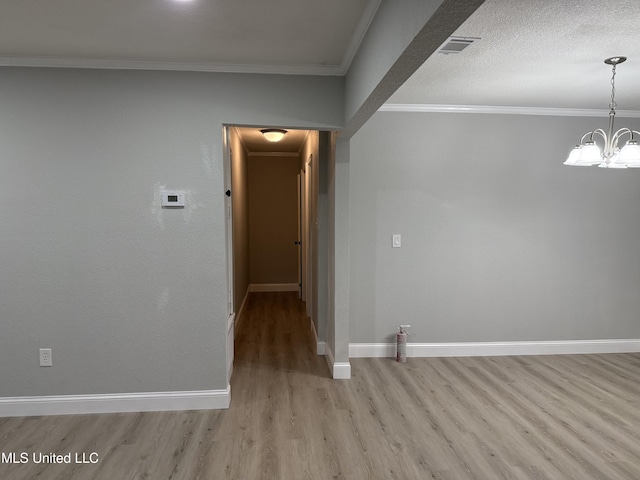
{"x": 115, "y": 64}
{"x": 358, "y": 35}
{"x": 502, "y": 110}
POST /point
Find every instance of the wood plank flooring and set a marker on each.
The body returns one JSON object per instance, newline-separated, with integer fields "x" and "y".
{"x": 545, "y": 417}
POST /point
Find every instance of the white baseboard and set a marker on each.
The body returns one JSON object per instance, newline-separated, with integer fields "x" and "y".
{"x": 328, "y": 356}
{"x": 489, "y": 349}
{"x": 339, "y": 370}
{"x": 115, "y": 403}
{"x": 242, "y": 308}
{"x": 231, "y": 330}
{"x": 320, "y": 345}
{"x": 273, "y": 287}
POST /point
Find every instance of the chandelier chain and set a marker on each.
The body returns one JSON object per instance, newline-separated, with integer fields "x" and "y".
{"x": 613, "y": 103}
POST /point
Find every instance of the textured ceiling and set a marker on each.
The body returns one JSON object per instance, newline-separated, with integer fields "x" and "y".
{"x": 278, "y": 36}
{"x": 542, "y": 53}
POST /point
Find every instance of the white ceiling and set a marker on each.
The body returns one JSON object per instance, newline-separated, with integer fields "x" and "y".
{"x": 536, "y": 53}
{"x": 276, "y": 36}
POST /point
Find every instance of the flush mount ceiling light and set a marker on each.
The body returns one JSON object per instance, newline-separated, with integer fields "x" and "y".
{"x": 273, "y": 134}
{"x": 588, "y": 152}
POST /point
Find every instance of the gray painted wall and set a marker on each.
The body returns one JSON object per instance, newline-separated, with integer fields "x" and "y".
{"x": 240, "y": 200}
{"x": 311, "y": 149}
{"x": 339, "y": 184}
{"x": 324, "y": 154}
{"x": 337, "y": 330}
{"x": 130, "y": 297}
{"x": 500, "y": 241}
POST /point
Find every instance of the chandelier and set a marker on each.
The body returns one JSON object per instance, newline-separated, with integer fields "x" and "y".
{"x": 588, "y": 152}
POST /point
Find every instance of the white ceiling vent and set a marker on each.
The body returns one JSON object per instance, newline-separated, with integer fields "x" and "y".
{"x": 456, "y": 44}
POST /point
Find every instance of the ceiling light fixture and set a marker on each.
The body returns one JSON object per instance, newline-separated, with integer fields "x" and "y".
{"x": 273, "y": 134}
{"x": 588, "y": 152}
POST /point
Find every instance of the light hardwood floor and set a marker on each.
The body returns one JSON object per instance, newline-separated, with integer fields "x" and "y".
{"x": 546, "y": 417}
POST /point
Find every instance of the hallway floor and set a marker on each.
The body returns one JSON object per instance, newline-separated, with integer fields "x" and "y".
{"x": 545, "y": 417}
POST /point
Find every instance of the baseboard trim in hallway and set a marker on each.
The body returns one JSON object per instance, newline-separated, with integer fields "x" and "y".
{"x": 273, "y": 287}
{"x": 339, "y": 370}
{"x": 115, "y": 403}
{"x": 241, "y": 309}
{"x": 320, "y": 345}
{"x": 491, "y": 349}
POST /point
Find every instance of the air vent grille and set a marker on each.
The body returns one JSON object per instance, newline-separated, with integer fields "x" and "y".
{"x": 456, "y": 44}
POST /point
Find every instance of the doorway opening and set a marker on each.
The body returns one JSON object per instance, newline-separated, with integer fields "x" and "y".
{"x": 272, "y": 211}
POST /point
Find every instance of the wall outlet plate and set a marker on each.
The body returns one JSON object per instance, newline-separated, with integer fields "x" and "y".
{"x": 45, "y": 357}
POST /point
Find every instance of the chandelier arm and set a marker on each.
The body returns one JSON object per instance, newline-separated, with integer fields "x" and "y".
{"x": 600, "y": 132}
{"x": 619, "y": 134}
{"x": 588, "y": 134}
{"x": 591, "y": 134}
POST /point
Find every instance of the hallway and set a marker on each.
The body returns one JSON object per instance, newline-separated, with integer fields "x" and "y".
{"x": 275, "y": 350}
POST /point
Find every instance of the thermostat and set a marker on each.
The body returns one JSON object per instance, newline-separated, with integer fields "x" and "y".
{"x": 172, "y": 199}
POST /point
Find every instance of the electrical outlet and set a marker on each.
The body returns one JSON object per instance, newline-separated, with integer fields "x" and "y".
{"x": 45, "y": 357}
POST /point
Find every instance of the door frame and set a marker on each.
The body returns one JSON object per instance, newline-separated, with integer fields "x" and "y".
{"x": 228, "y": 214}
{"x": 308, "y": 200}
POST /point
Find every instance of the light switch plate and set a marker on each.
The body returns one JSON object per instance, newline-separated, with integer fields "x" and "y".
{"x": 396, "y": 240}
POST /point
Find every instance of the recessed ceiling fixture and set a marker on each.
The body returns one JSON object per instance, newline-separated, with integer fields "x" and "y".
{"x": 273, "y": 134}
{"x": 456, "y": 44}
{"x": 588, "y": 153}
